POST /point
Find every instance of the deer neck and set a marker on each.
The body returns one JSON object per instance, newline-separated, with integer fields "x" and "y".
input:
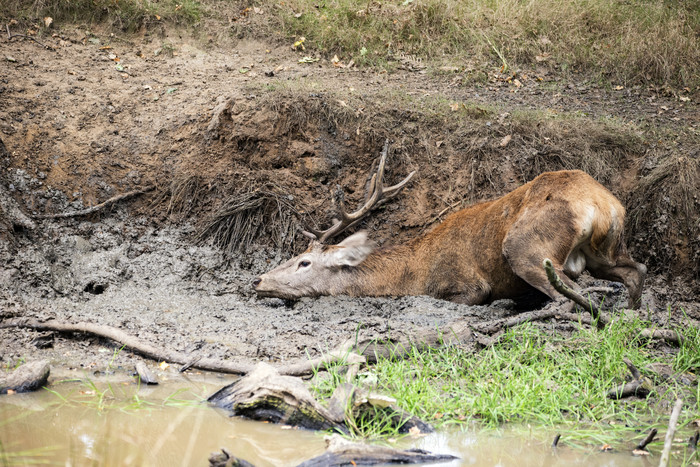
{"x": 385, "y": 272}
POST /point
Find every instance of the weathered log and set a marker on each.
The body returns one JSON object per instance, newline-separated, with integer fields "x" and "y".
{"x": 342, "y": 452}
{"x": 224, "y": 459}
{"x": 26, "y": 378}
{"x": 266, "y": 395}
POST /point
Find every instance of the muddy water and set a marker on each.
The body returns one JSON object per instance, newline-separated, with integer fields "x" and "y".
{"x": 118, "y": 423}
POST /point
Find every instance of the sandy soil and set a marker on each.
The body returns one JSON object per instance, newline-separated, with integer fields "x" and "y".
{"x": 97, "y": 116}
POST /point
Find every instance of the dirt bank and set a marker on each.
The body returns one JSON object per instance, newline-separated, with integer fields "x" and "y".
{"x": 208, "y": 126}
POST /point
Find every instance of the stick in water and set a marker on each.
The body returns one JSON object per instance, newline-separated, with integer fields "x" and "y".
{"x": 665, "y": 456}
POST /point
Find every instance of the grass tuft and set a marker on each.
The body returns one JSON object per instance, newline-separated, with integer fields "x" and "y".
{"x": 124, "y": 15}
{"x": 530, "y": 377}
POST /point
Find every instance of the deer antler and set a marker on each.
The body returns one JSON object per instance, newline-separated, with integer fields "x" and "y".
{"x": 377, "y": 195}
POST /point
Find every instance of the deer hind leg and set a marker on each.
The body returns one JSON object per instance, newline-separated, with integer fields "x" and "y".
{"x": 625, "y": 270}
{"x": 547, "y": 233}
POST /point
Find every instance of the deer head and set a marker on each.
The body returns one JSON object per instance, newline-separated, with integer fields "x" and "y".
{"x": 320, "y": 270}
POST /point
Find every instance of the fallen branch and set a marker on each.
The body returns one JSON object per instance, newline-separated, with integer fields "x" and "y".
{"x": 586, "y": 304}
{"x": 97, "y": 207}
{"x": 209, "y": 364}
{"x": 693, "y": 441}
{"x": 639, "y": 386}
{"x": 555, "y": 443}
{"x": 642, "y": 446}
{"x": 11, "y": 36}
{"x": 668, "y": 442}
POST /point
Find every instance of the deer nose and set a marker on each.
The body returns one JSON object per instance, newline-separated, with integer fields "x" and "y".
{"x": 256, "y": 283}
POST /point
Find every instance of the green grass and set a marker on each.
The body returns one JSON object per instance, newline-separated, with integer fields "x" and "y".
{"x": 625, "y": 42}
{"x": 532, "y": 378}
{"x": 125, "y": 15}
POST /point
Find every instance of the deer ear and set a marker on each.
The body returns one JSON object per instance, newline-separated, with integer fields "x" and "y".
{"x": 353, "y": 250}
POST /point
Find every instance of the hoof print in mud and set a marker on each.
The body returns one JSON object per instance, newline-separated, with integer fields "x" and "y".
{"x": 95, "y": 288}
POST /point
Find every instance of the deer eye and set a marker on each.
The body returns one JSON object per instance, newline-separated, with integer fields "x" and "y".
{"x": 304, "y": 264}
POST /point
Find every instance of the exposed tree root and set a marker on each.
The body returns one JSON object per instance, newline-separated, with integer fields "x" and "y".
{"x": 240, "y": 367}
{"x": 97, "y": 207}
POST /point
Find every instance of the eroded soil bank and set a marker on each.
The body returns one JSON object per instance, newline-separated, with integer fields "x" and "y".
{"x": 207, "y": 126}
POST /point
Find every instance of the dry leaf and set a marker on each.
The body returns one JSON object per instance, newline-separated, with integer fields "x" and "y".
{"x": 438, "y": 144}
{"x": 640, "y": 452}
{"x": 299, "y": 45}
{"x": 618, "y": 88}
{"x": 606, "y": 447}
{"x": 506, "y": 139}
{"x": 454, "y": 107}
{"x": 48, "y": 21}
{"x": 543, "y": 58}
{"x": 517, "y": 83}
{"x": 414, "y": 431}
{"x": 163, "y": 365}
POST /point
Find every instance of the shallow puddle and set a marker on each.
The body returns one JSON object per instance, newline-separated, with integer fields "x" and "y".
{"x": 119, "y": 423}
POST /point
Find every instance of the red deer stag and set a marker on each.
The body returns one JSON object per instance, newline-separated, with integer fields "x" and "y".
{"x": 484, "y": 252}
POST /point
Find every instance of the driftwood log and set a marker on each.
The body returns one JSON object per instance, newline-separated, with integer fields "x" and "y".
{"x": 341, "y": 452}
{"x": 26, "y": 378}
{"x": 266, "y": 395}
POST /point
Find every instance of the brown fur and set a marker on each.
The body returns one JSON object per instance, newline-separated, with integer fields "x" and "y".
{"x": 487, "y": 251}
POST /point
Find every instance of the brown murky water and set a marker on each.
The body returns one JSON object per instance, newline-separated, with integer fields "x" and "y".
{"x": 117, "y": 423}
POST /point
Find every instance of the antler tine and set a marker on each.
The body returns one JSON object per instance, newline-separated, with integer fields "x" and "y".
{"x": 377, "y": 195}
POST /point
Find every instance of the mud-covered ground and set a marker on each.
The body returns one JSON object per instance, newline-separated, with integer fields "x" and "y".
{"x": 96, "y": 116}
